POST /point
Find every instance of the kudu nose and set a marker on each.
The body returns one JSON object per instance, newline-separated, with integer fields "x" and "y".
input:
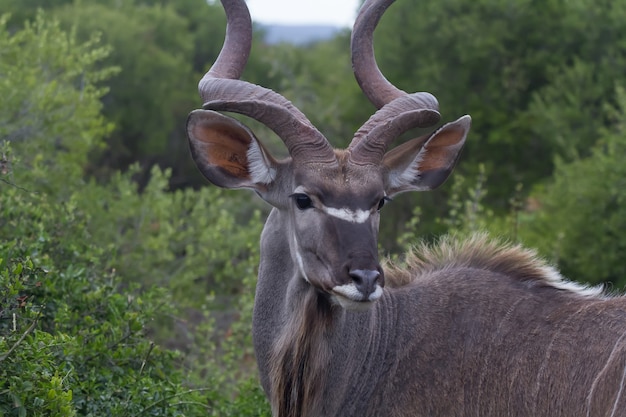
{"x": 365, "y": 280}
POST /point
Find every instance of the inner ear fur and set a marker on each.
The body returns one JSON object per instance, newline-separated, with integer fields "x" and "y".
{"x": 403, "y": 156}
{"x": 219, "y": 146}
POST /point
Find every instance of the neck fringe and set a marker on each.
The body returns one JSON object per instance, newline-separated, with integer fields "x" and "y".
{"x": 300, "y": 358}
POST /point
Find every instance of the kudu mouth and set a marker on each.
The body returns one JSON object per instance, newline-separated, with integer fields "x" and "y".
{"x": 365, "y": 288}
{"x": 351, "y": 288}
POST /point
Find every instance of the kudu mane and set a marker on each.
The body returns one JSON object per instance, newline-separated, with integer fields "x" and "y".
{"x": 300, "y": 357}
{"x": 481, "y": 252}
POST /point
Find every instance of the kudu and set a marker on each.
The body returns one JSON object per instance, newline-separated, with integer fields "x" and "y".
{"x": 467, "y": 329}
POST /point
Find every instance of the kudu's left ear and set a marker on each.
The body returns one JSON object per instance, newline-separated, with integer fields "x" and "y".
{"x": 228, "y": 153}
{"x": 425, "y": 163}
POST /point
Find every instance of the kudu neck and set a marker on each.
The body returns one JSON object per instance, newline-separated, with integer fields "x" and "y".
{"x": 287, "y": 306}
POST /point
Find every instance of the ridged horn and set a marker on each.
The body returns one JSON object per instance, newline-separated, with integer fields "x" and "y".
{"x": 221, "y": 90}
{"x": 398, "y": 110}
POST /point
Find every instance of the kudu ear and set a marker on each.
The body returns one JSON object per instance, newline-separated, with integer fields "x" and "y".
{"x": 228, "y": 153}
{"x": 425, "y": 163}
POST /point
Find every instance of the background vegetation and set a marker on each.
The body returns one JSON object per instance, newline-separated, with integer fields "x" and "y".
{"x": 126, "y": 284}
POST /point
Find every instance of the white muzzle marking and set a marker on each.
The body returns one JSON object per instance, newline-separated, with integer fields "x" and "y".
{"x": 351, "y": 292}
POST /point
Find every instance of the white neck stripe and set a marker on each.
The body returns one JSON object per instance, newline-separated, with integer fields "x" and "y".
{"x": 299, "y": 259}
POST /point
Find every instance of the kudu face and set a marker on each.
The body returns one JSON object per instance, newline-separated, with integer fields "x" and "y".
{"x": 334, "y": 216}
{"x": 329, "y": 200}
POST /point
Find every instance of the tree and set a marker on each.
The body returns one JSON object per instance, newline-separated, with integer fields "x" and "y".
{"x": 153, "y": 91}
{"x": 579, "y": 214}
{"x": 159, "y": 49}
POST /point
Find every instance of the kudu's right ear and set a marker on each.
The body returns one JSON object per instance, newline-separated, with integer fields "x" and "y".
{"x": 228, "y": 153}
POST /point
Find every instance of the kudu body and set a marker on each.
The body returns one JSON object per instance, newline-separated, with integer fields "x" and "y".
{"x": 467, "y": 329}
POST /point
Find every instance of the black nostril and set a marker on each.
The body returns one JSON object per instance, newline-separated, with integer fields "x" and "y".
{"x": 365, "y": 280}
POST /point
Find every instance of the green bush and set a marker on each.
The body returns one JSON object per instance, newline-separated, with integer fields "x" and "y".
{"x": 76, "y": 341}
{"x": 98, "y": 280}
{"x": 73, "y": 345}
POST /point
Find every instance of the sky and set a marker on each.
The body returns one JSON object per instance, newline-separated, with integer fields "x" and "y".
{"x": 296, "y": 12}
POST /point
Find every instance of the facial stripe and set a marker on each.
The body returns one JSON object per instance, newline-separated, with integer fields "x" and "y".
{"x": 346, "y": 214}
{"x": 353, "y": 216}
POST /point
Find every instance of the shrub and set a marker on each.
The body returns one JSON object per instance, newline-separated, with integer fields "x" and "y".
{"x": 95, "y": 278}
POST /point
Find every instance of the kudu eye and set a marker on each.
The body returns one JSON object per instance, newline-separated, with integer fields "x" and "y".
{"x": 303, "y": 201}
{"x": 382, "y": 203}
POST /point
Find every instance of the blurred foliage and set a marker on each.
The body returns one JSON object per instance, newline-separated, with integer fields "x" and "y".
{"x": 535, "y": 76}
{"x": 579, "y": 216}
{"x": 153, "y": 49}
{"x": 158, "y": 50}
{"x": 50, "y": 109}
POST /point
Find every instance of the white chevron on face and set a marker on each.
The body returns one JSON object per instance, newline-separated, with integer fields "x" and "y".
{"x": 349, "y": 215}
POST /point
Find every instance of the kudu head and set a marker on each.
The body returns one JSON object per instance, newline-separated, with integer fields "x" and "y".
{"x": 329, "y": 199}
